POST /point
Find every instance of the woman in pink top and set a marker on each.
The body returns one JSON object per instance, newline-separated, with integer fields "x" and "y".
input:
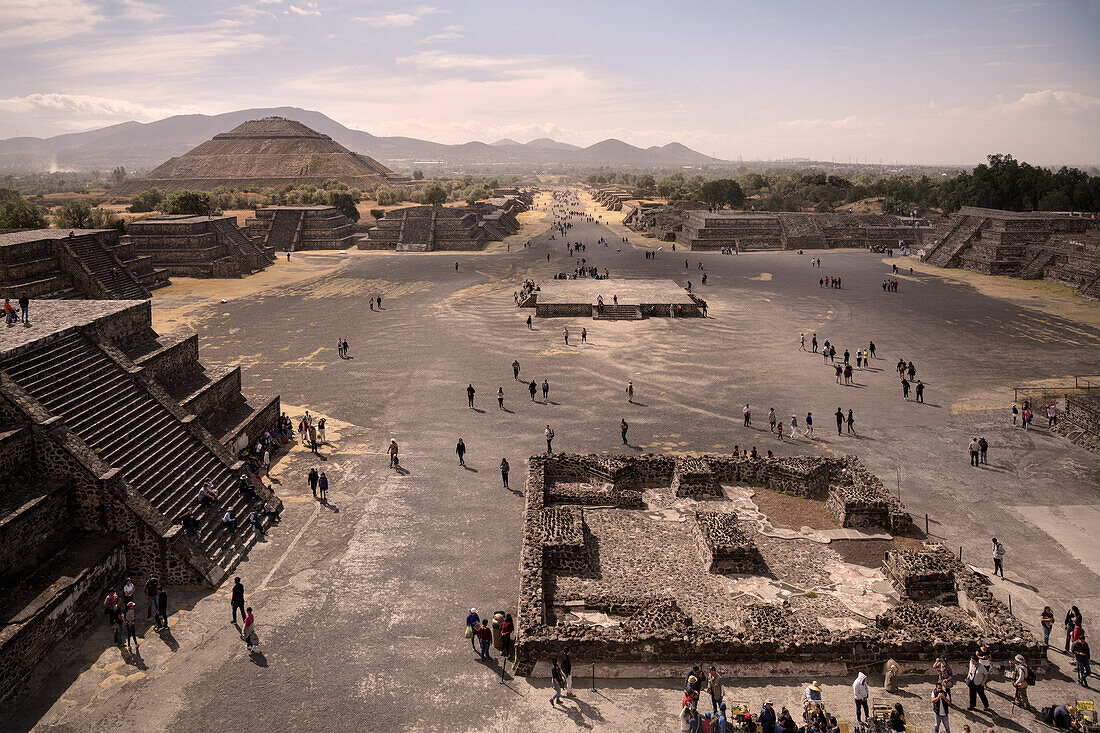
{"x": 249, "y": 629}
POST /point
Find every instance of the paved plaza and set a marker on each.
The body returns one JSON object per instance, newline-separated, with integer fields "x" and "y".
{"x": 360, "y": 604}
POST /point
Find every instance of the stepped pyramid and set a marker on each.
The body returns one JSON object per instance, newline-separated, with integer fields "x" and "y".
{"x": 273, "y": 151}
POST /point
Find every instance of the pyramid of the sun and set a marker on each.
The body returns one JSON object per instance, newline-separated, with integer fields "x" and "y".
{"x": 270, "y": 152}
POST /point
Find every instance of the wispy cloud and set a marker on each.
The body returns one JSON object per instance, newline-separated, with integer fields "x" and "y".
{"x": 141, "y": 11}
{"x": 820, "y": 124}
{"x": 448, "y": 33}
{"x": 25, "y": 22}
{"x": 309, "y": 9}
{"x": 400, "y": 19}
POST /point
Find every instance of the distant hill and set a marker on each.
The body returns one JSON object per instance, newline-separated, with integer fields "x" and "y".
{"x": 142, "y": 146}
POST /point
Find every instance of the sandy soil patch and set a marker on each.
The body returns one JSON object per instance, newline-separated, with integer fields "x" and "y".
{"x": 793, "y": 512}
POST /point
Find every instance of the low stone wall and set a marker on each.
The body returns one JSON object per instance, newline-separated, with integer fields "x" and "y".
{"x": 31, "y": 529}
{"x": 920, "y": 575}
{"x": 23, "y": 644}
{"x": 724, "y": 545}
{"x": 177, "y": 357}
{"x": 216, "y": 393}
{"x": 1083, "y": 410}
{"x": 562, "y": 531}
{"x": 251, "y": 428}
{"x": 692, "y": 477}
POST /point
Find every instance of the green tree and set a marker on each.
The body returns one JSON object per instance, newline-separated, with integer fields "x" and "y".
{"x": 148, "y": 200}
{"x": 118, "y": 175}
{"x": 377, "y": 213}
{"x": 21, "y": 215}
{"x": 198, "y": 203}
{"x": 345, "y": 202}
{"x": 722, "y": 192}
{"x": 106, "y": 219}
{"x": 418, "y": 175}
{"x": 435, "y": 195}
{"x": 9, "y": 194}
{"x": 74, "y": 215}
{"x": 475, "y": 195}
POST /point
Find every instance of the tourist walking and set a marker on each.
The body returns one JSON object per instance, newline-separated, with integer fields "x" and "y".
{"x": 584, "y": 335}
{"x": 507, "y": 644}
{"x": 249, "y": 632}
{"x": 861, "y": 692}
{"x": 322, "y": 488}
{"x": 566, "y": 666}
{"x": 771, "y": 418}
{"x": 160, "y": 621}
{"x": 313, "y": 481}
{"x": 473, "y": 625}
{"x": 1022, "y": 678}
{"x": 998, "y": 558}
{"x": 565, "y": 335}
{"x": 558, "y": 680}
{"x": 714, "y": 688}
{"x": 237, "y": 598}
{"x": 500, "y": 398}
{"x": 851, "y": 421}
{"x": 747, "y": 412}
{"x": 152, "y": 584}
{"x": 766, "y": 718}
{"x": 630, "y": 391}
{"x": 920, "y": 391}
{"x": 1073, "y": 619}
{"x": 974, "y": 449}
{"x": 623, "y": 427}
{"x": 1052, "y": 416}
{"x": 24, "y": 308}
{"x": 983, "y": 447}
{"x": 1083, "y": 656}
{"x": 549, "y": 440}
{"x": 485, "y": 638}
{"x": 977, "y": 676}
{"x": 460, "y": 449}
{"x": 839, "y": 420}
{"x": 532, "y": 388}
{"x": 470, "y": 395}
{"x": 504, "y": 471}
{"x": 131, "y": 627}
{"x": 809, "y": 425}
{"x": 515, "y": 370}
{"x": 802, "y": 342}
{"x": 545, "y": 390}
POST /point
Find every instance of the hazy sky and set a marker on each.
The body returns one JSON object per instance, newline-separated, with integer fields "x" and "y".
{"x": 935, "y": 82}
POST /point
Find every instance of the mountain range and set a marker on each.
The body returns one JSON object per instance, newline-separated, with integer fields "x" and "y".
{"x": 140, "y": 146}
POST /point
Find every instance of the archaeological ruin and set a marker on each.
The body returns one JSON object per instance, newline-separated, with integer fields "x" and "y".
{"x": 660, "y": 221}
{"x": 109, "y": 429}
{"x": 199, "y": 246}
{"x": 297, "y": 228}
{"x": 82, "y": 263}
{"x": 273, "y": 151}
{"x": 446, "y": 228}
{"x": 613, "y": 299}
{"x": 728, "y": 583}
{"x": 706, "y": 230}
{"x": 1059, "y": 248}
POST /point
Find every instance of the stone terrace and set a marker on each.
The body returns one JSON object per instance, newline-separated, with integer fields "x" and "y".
{"x": 643, "y": 297}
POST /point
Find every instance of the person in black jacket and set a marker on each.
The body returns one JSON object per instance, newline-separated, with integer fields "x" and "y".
{"x": 237, "y": 599}
{"x": 567, "y": 672}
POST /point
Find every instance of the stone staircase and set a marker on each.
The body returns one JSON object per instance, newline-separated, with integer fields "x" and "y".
{"x": 955, "y": 241}
{"x": 618, "y": 313}
{"x": 232, "y": 233}
{"x": 117, "y": 418}
{"x": 284, "y": 225}
{"x": 105, "y": 267}
{"x": 1033, "y": 268}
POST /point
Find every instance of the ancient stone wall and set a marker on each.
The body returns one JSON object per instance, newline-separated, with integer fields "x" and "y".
{"x": 724, "y": 544}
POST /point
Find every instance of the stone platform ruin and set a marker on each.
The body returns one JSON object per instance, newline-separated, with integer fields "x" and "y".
{"x": 199, "y": 246}
{"x": 106, "y": 432}
{"x": 296, "y": 228}
{"x": 642, "y": 565}
{"x": 705, "y": 230}
{"x": 447, "y": 228}
{"x": 80, "y": 263}
{"x": 1058, "y": 248}
{"x": 637, "y": 298}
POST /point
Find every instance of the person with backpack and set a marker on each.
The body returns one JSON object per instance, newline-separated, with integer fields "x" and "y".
{"x": 998, "y": 558}
{"x": 1023, "y": 678}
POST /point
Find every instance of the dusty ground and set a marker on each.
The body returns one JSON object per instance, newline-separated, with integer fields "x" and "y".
{"x": 360, "y": 604}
